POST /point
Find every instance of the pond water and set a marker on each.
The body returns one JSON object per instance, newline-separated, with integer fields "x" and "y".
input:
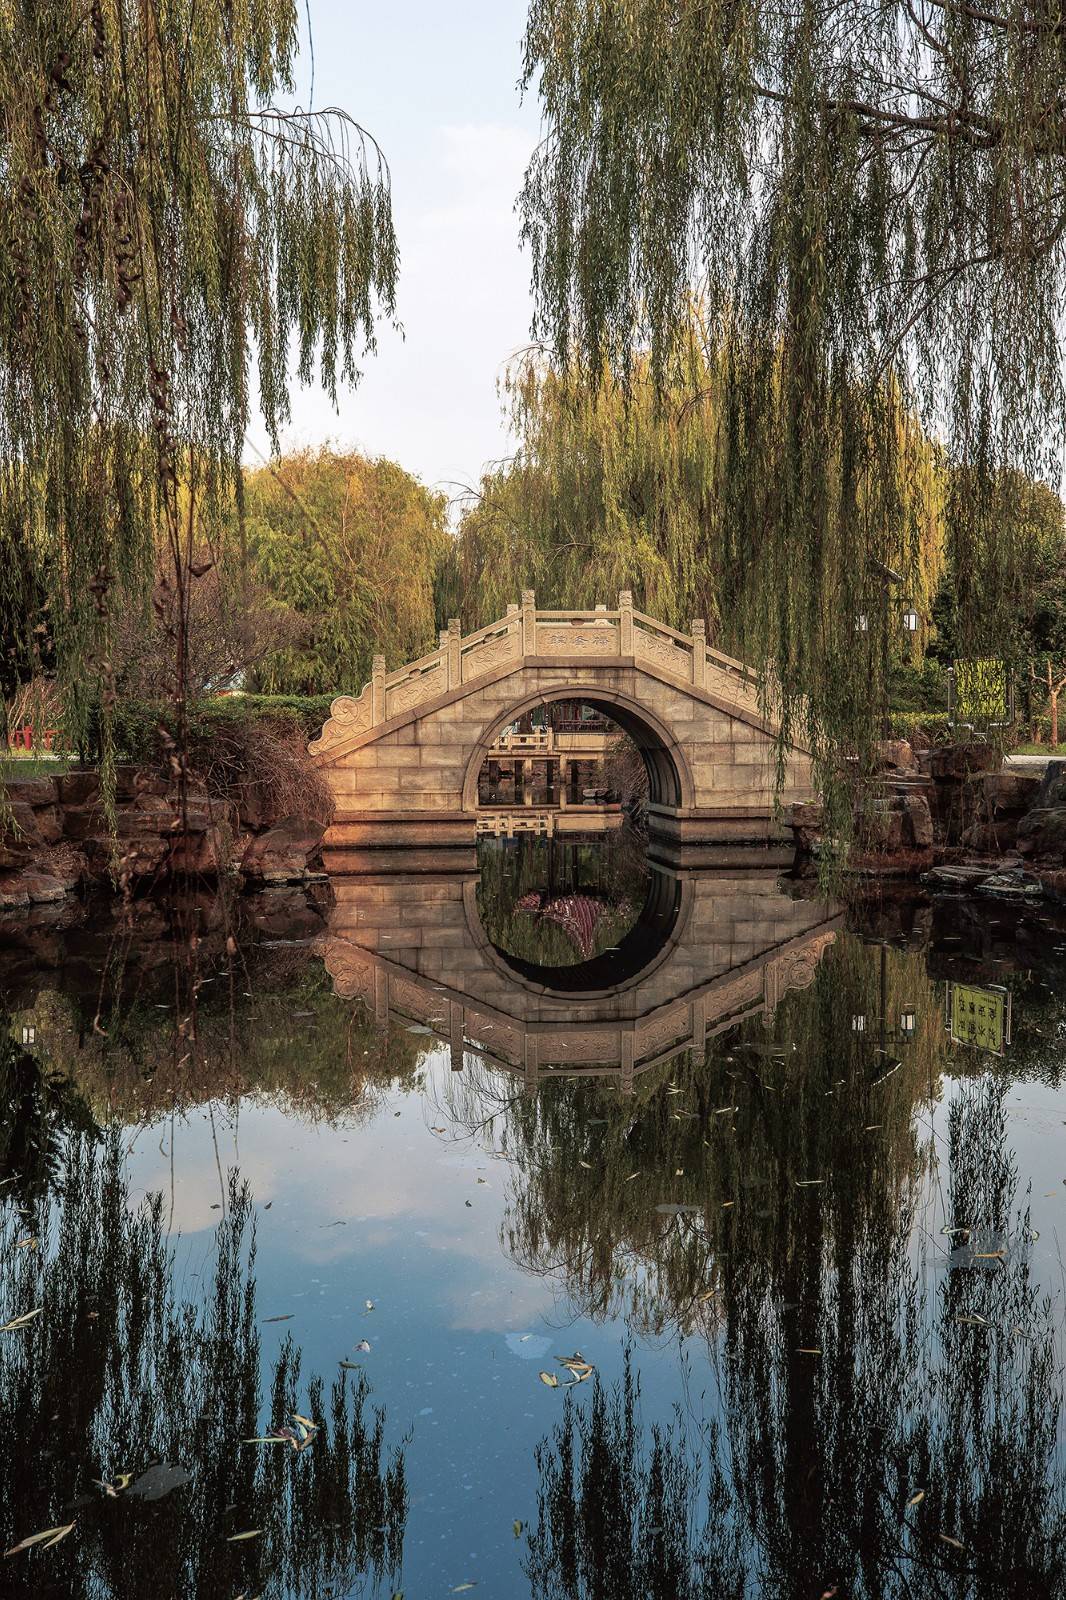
{"x": 770, "y": 1191}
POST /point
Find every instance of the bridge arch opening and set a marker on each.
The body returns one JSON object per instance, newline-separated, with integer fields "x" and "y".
{"x": 669, "y": 780}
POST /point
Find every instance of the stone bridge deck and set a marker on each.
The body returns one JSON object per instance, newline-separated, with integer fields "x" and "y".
{"x": 403, "y": 757}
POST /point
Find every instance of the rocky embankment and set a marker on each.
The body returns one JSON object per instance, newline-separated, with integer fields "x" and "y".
{"x": 952, "y": 809}
{"x": 57, "y": 838}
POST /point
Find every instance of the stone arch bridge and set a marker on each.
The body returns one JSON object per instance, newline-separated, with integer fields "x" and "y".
{"x": 710, "y": 951}
{"x": 403, "y": 757}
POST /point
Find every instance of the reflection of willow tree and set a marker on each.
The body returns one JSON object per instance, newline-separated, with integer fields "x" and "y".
{"x": 727, "y": 1138}
{"x": 155, "y": 1380}
{"x": 915, "y": 1455}
{"x": 289, "y": 1039}
{"x": 519, "y": 885}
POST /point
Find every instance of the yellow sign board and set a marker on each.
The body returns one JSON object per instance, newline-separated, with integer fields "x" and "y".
{"x": 981, "y": 692}
{"x": 979, "y": 1017}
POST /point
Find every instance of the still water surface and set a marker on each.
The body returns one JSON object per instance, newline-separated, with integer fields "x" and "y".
{"x": 808, "y": 1276}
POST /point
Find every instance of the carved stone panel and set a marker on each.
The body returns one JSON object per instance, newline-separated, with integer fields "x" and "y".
{"x": 413, "y": 691}
{"x": 490, "y": 654}
{"x": 669, "y": 1027}
{"x": 662, "y": 652}
{"x": 347, "y": 716}
{"x": 581, "y": 639}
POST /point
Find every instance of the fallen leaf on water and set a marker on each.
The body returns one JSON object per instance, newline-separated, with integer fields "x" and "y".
{"x": 20, "y": 1322}
{"x": 808, "y": 1183}
{"x": 286, "y": 1318}
{"x": 517, "y": 1528}
{"x": 975, "y": 1321}
{"x": 352, "y": 1366}
{"x": 916, "y": 1499}
{"x": 113, "y": 1490}
{"x": 26, "y": 1244}
{"x": 808, "y": 1350}
{"x": 956, "y": 1544}
{"x": 707, "y": 1294}
{"x": 827, "y": 1594}
{"x": 159, "y": 1480}
{"x": 633, "y": 1175}
{"x": 298, "y": 1431}
{"x": 49, "y": 1537}
{"x": 252, "y": 1533}
{"x": 550, "y": 1379}
{"x": 679, "y": 1172}
{"x": 989, "y": 1255}
{"x": 587, "y": 1166}
{"x": 483, "y": 1180}
{"x": 438, "y": 1130}
{"x": 461, "y": 1588}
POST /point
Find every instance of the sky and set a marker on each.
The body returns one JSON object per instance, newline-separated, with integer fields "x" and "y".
{"x": 437, "y": 87}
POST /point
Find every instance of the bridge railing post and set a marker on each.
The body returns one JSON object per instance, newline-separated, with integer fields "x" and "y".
{"x": 699, "y": 652}
{"x": 377, "y": 691}
{"x": 529, "y": 623}
{"x": 625, "y": 615}
{"x": 455, "y": 650}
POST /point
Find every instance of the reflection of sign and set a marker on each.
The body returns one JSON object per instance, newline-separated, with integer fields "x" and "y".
{"x": 981, "y": 696}
{"x": 979, "y": 1017}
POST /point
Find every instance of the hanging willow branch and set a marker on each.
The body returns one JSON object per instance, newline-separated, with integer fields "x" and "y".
{"x": 869, "y": 197}
{"x": 168, "y": 231}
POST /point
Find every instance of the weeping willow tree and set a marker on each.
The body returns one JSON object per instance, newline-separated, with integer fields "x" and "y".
{"x": 623, "y": 483}
{"x": 870, "y": 200}
{"x": 170, "y": 230}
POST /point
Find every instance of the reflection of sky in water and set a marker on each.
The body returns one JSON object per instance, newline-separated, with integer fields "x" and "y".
{"x": 410, "y": 1219}
{"x": 380, "y": 1213}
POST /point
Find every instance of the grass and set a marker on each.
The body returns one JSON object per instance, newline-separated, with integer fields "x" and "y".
{"x": 31, "y": 766}
{"x": 1053, "y": 751}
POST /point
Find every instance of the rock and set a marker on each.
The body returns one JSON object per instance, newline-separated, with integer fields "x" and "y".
{"x": 806, "y": 820}
{"x": 49, "y": 820}
{"x": 78, "y": 788}
{"x": 894, "y": 755}
{"x": 1052, "y": 786}
{"x": 196, "y": 854}
{"x": 13, "y": 853}
{"x": 82, "y": 822}
{"x": 41, "y": 888}
{"x": 956, "y": 878}
{"x": 958, "y": 760}
{"x": 1012, "y": 883}
{"x": 1042, "y": 833}
{"x": 31, "y": 791}
{"x": 1009, "y": 794}
{"x": 284, "y": 852}
{"x": 991, "y": 838}
{"x": 22, "y": 823}
{"x": 12, "y": 891}
{"x": 916, "y": 810}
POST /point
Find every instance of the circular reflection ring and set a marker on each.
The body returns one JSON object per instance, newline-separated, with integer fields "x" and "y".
{"x": 648, "y": 942}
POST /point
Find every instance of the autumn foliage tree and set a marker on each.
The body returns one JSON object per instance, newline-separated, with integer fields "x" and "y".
{"x": 346, "y": 548}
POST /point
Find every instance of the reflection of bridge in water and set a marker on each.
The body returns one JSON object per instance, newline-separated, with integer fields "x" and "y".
{"x": 707, "y": 952}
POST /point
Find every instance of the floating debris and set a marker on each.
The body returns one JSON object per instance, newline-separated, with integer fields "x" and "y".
{"x": 298, "y": 1431}
{"x": 47, "y": 1538}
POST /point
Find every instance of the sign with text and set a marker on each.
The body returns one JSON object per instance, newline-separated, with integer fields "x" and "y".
{"x": 979, "y": 1017}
